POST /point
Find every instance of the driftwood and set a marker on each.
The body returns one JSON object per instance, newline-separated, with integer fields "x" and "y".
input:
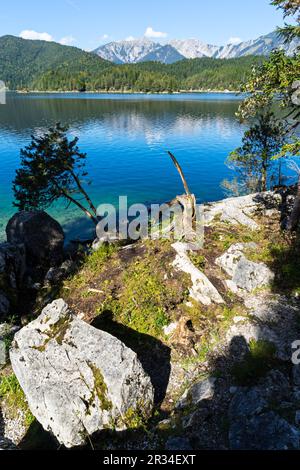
{"x": 183, "y": 179}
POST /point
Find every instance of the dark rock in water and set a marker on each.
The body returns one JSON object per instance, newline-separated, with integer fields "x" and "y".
{"x": 178, "y": 443}
{"x": 41, "y": 235}
{"x": 266, "y": 431}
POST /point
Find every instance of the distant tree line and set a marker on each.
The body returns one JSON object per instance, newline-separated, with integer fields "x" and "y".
{"x": 193, "y": 74}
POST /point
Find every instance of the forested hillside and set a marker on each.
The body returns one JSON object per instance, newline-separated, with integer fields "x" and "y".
{"x": 47, "y": 66}
{"x": 22, "y": 61}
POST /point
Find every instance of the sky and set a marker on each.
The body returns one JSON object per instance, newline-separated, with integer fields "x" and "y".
{"x": 90, "y": 23}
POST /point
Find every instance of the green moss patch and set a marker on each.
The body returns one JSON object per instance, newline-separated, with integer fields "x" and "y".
{"x": 257, "y": 362}
{"x": 14, "y": 399}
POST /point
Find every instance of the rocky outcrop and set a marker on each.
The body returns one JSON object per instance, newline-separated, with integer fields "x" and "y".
{"x": 77, "y": 379}
{"x": 238, "y": 210}
{"x": 245, "y": 274}
{"x": 202, "y": 289}
{"x": 253, "y": 426}
{"x": 41, "y": 235}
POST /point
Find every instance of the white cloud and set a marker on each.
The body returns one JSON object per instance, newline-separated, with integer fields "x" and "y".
{"x": 67, "y": 40}
{"x": 130, "y": 38}
{"x": 234, "y": 40}
{"x": 30, "y": 34}
{"x": 105, "y": 36}
{"x": 150, "y": 33}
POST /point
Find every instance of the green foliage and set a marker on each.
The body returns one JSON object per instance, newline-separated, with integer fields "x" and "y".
{"x": 198, "y": 260}
{"x": 253, "y": 162}
{"x": 52, "y": 167}
{"x": 14, "y": 398}
{"x": 290, "y": 8}
{"x": 92, "y": 265}
{"x": 259, "y": 359}
{"x": 143, "y": 303}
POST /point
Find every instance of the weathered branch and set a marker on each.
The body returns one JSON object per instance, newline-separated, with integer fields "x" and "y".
{"x": 179, "y": 169}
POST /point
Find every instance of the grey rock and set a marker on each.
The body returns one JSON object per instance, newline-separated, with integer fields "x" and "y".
{"x": 3, "y": 355}
{"x": 296, "y": 394}
{"x": 6, "y": 331}
{"x": 296, "y": 374}
{"x": 178, "y": 443}
{"x": 249, "y": 275}
{"x": 41, "y": 235}
{"x": 266, "y": 431}
{"x": 77, "y": 379}
{"x": 12, "y": 268}
{"x": 245, "y": 274}
{"x": 196, "y": 418}
{"x": 4, "y": 305}
{"x": 203, "y": 390}
{"x": 246, "y": 403}
{"x": 235, "y": 211}
{"x": 56, "y": 275}
{"x": 229, "y": 260}
{"x": 297, "y": 418}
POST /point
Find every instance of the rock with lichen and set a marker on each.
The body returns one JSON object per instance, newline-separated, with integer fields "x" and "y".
{"x": 78, "y": 380}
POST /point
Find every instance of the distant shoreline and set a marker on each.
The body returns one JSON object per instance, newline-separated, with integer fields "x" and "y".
{"x": 122, "y": 92}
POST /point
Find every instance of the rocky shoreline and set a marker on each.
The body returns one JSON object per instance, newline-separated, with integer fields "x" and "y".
{"x": 154, "y": 345}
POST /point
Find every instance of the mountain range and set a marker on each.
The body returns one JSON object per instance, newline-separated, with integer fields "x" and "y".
{"x": 144, "y": 50}
{"x": 47, "y": 66}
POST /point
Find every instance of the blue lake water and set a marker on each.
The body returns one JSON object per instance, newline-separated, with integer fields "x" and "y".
{"x": 126, "y": 138}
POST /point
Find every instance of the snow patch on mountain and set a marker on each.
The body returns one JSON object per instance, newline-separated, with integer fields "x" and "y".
{"x": 141, "y": 50}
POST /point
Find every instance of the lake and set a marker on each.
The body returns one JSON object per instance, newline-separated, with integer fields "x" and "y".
{"x": 126, "y": 138}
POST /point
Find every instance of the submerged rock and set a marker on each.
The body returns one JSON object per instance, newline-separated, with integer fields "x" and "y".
{"x": 77, "y": 379}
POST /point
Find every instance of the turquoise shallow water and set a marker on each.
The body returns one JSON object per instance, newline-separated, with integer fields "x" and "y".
{"x": 126, "y": 138}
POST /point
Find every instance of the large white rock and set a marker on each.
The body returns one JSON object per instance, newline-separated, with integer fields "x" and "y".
{"x": 77, "y": 379}
{"x": 246, "y": 274}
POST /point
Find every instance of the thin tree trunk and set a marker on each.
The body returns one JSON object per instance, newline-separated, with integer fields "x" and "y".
{"x": 264, "y": 179}
{"x": 181, "y": 174}
{"x": 294, "y": 219}
{"x": 82, "y": 190}
{"x": 78, "y": 204}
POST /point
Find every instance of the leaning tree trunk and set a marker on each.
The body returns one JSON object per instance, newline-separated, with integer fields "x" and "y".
{"x": 294, "y": 218}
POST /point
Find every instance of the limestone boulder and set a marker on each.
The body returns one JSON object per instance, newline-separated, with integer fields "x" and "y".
{"x": 78, "y": 380}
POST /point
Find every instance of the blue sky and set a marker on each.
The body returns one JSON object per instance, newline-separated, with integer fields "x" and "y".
{"x": 89, "y": 23}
